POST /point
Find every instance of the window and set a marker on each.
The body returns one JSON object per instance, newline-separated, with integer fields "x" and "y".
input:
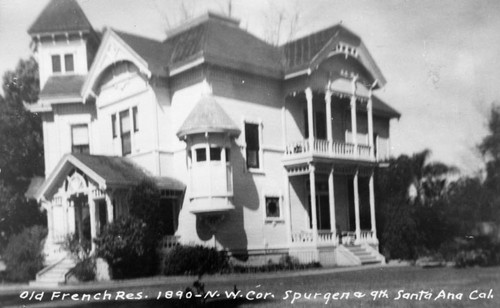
{"x": 113, "y": 125}
{"x": 273, "y": 207}
{"x": 68, "y": 63}
{"x": 215, "y": 154}
{"x": 201, "y": 155}
{"x": 228, "y": 156}
{"x": 80, "y": 139}
{"x": 125, "y": 132}
{"x": 253, "y": 147}
{"x": 134, "y": 118}
{"x": 56, "y": 63}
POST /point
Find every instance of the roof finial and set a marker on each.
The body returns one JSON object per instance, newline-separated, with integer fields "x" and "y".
{"x": 206, "y": 88}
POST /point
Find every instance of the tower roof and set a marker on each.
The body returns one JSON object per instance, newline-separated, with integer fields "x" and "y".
{"x": 61, "y": 16}
{"x": 207, "y": 117}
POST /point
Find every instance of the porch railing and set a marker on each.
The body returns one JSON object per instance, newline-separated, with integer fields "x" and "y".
{"x": 327, "y": 148}
{"x": 327, "y": 238}
{"x": 169, "y": 242}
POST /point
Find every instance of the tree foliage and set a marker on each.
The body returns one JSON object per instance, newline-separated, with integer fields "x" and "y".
{"x": 21, "y": 149}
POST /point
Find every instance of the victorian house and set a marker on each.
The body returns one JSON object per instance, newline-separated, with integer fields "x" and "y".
{"x": 257, "y": 149}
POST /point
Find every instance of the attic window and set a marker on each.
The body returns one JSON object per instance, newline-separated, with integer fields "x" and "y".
{"x": 56, "y": 63}
{"x": 68, "y": 63}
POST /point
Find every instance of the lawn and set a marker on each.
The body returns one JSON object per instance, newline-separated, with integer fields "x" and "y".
{"x": 380, "y": 287}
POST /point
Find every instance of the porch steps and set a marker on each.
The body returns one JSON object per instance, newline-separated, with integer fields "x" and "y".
{"x": 54, "y": 274}
{"x": 363, "y": 254}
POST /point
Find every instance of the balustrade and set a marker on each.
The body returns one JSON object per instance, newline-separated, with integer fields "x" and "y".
{"x": 328, "y": 148}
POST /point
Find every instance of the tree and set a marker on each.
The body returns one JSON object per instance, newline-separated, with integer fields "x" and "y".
{"x": 21, "y": 149}
{"x": 490, "y": 149}
{"x": 411, "y": 196}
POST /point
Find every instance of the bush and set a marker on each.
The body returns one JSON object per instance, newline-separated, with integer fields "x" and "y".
{"x": 480, "y": 250}
{"x": 23, "y": 254}
{"x": 79, "y": 249}
{"x": 84, "y": 270}
{"x": 128, "y": 248}
{"x": 285, "y": 263}
{"x": 194, "y": 260}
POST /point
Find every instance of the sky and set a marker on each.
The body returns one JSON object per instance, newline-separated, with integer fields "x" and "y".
{"x": 441, "y": 58}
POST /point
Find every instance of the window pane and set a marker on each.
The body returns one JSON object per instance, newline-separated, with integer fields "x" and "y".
{"x": 85, "y": 149}
{"x": 134, "y": 118}
{"x": 201, "y": 154}
{"x": 56, "y": 64}
{"x": 252, "y": 141}
{"x": 80, "y": 134}
{"x": 252, "y": 136}
{"x": 215, "y": 154}
{"x": 272, "y": 207}
{"x": 252, "y": 159}
{"x": 126, "y": 144}
{"x": 124, "y": 122}
{"x": 113, "y": 125}
{"x": 68, "y": 63}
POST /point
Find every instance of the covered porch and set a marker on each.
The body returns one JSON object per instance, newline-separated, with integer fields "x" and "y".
{"x": 342, "y": 211}
{"x": 87, "y": 192}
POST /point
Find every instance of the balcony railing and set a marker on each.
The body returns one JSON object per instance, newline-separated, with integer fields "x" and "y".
{"x": 328, "y": 149}
{"x": 306, "y": 238}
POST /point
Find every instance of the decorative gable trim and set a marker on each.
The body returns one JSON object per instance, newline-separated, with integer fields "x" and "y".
{"x": 59, "y": 174}
{"x": 112, "y": 50}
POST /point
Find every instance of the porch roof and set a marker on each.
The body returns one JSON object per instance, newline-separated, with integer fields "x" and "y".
{"x": 106, "y": 171}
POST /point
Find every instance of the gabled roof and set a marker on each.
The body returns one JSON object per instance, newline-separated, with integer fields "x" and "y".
{"x": 152, "y": 51}
{"x": 62, "y": 86}
{"x": 207, "y": 117}
{"x": 61, "y": 16}
{"x": 106, "y": 171}
{"x": 303, "y": 53}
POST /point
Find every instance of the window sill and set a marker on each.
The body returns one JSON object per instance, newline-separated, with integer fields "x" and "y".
{"x": 274, "y": 221}
{"x": 256, "y": 171}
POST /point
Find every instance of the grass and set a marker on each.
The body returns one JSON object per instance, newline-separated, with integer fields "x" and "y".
{"x": 410, "y": 280}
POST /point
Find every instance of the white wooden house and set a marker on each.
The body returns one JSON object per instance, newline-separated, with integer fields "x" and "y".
{"x": 238, "y": 134}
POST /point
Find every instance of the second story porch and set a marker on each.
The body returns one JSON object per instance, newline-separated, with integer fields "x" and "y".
{"x": 333, "y": 124}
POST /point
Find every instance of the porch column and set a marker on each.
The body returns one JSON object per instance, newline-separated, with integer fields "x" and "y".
{"x": 109, "y": 206}
{"x": 93, "y": 222}
{"x": 356, "y": 208}
{"x": 312, "y": 187}
{"x": 354, "y": 124}
{"x": 328, "y": 101}
{"x": 50, "y": 220}
{"x": 372, "y": 207}
{"x": 310, "y": 117}
{"x": 331, "y": 202}
{"x": 370, "y": 124}
{"x": 288, "y": 208}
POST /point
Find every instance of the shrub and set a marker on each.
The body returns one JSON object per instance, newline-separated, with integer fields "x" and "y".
{"x": 79, "y": 249}
{"x": 84, "y": 270}
{"x": 23, "y": 254}
{"x": 480, "y": 250}
{"x": 194, "y": 260}
{"x": 128, "y": 248}
{"x": 285, "y": 263}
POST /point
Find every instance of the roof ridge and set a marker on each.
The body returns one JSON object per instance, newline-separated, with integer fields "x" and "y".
{"x": 339, "y": 24}
{"x": 198, "y": 20}
{"x": 117, "y": 31}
